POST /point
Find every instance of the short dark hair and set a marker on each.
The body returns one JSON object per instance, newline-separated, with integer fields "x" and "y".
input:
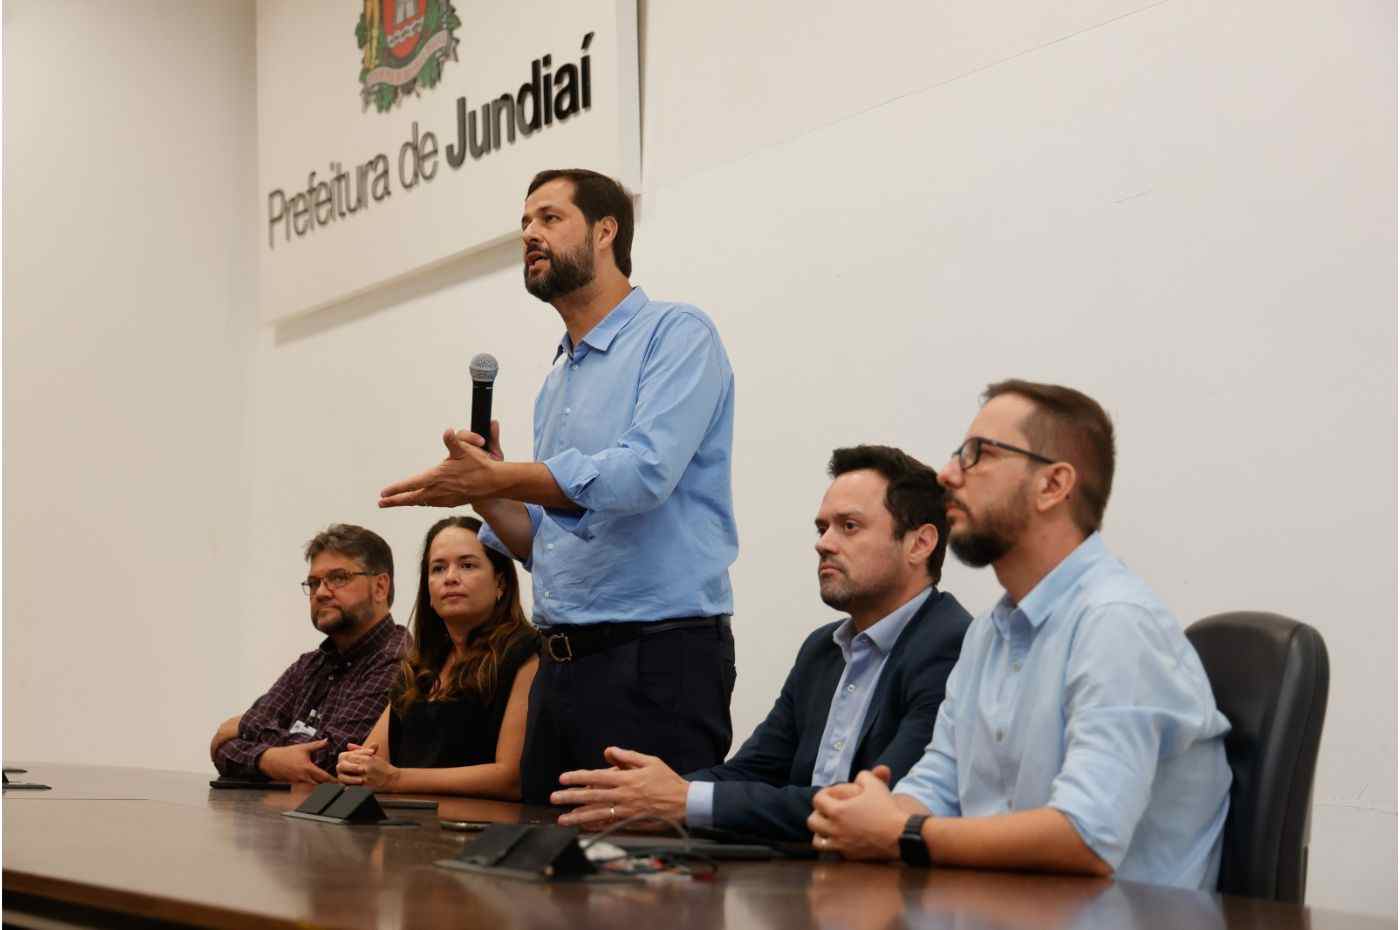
{"x": 914, "y": 496}
{"x": 355, "y": 542}
{"x": 597, "y": 195}
{"x": 1069, "y": 426}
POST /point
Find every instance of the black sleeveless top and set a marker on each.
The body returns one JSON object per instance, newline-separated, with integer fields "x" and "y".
{"x": 461, "y": 731}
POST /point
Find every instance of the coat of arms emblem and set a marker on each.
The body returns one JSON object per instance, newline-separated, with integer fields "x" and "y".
{"x": 405, "y": 43}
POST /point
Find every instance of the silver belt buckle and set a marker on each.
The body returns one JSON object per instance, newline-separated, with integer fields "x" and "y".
{"x": 550, "y": 643}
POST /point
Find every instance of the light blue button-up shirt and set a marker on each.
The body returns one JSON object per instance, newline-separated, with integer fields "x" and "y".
{"x": 636, "y": 424}
{"x": 1087, "y": 698}
{"x": 865, "y": 654}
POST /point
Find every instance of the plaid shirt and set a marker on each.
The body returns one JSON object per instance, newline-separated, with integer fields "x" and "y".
{"x": 324, "y": 694}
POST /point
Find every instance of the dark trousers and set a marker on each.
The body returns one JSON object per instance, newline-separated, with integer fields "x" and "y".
{"x": 664, "y": 693}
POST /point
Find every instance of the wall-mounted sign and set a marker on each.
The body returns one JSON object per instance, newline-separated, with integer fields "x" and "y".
{"x": 405, "y": 43}
{"x": 427, "y": 156}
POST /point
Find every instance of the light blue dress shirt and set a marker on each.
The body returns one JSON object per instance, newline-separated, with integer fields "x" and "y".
{"x": 865, "y": 654}
{"x": 1087, "y": 698}
{"x": 636, "y": 424}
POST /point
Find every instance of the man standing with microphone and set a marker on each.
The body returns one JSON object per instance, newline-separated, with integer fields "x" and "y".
{"x": 626, "y": 516}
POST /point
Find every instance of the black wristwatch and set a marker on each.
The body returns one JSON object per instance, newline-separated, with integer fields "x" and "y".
{"x": 912, "y": 848}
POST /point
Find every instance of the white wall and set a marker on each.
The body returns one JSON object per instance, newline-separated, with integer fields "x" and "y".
{"x": 128, "y": 233}
{"x": 1186, "y": 209}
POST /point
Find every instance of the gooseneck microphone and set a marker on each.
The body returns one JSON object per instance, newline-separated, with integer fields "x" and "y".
{"x": 483, "y": 369}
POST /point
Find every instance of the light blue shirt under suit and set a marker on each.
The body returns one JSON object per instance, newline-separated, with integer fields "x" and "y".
{"x": 1087, "y": 697}
{"x": 865, "y": 654}
{"x": 636, "y": 424}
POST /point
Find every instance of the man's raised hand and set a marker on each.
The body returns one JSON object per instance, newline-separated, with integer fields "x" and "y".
{"x": 466, "y": 475}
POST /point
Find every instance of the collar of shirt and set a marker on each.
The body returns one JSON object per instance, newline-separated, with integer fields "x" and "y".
{"x": 1042, "y": 601}
{"x": 370, "y": 643}
{"x": 883, "y": 633}
{"x": 600, "y": 337}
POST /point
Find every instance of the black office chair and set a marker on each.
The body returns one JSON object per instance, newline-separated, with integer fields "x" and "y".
{"x": 1269, "y": 675}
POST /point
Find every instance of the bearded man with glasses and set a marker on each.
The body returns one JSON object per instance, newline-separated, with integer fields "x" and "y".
{"x": 1078, "y": 732}
{"x": 331, "y": 696}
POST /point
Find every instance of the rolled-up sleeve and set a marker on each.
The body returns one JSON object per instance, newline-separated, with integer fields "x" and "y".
{"x": 933, "y": 781}
{"x": 489, "y": 538}
{"x": 682, "y": 385}
{"x": 1126, "y": 706}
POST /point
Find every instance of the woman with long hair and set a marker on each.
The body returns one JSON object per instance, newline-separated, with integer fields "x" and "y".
{"x": 455, "y": 723}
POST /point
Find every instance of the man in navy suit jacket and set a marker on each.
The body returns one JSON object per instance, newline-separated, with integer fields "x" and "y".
{"x": 864, "y": 691}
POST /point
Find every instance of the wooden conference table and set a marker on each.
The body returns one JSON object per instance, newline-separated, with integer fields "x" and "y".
{"x": 123, "y": 847}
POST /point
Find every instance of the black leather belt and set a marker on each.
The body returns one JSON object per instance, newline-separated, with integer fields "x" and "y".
{"x": 567, "y": 643}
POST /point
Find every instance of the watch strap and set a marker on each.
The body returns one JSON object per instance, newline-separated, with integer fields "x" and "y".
{"x": 912, "y": 848}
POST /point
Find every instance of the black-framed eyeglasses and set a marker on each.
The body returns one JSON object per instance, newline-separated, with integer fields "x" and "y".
{"x": 334, "y": 580}
{"x": 970, "y": 452}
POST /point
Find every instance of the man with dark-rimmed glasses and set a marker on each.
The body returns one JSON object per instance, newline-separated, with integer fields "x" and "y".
{"x": 332, "y": 695}
{"x": 1079, "y": 732}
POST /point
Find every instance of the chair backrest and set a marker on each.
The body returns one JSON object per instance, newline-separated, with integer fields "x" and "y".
{"x": 1269, "y": 675}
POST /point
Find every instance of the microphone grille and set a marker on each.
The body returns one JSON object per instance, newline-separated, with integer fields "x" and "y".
{"x": 483, "y": 367}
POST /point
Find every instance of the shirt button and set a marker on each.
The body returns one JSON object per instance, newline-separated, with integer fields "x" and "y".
{"x": 1015, "y": 666}
{"x": 839, "y": 744}
{"x": 850, "y": 689}
{"x": 549, "y": 546}
{"x": 1000, "y": 735}
{"x": 568, "y": 410}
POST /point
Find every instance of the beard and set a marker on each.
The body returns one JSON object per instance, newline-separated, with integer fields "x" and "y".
{"x": 346, "y": 618}
{"x": 983, "y": 541}
{"x": 841, "y": 592}
{"x": 837, "y": 591}
{"x": 567, "y": 273}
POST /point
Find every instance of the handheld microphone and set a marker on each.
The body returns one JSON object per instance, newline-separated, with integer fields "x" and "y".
{"x": 483, "y": 370}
